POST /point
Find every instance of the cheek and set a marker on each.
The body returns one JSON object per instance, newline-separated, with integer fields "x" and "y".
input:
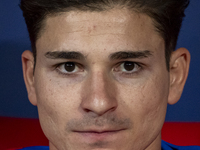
{"x": 56, "y": 93}
{"x": 146, "y": 100}
{"x": 57, "y": 97}
{"x": 155, "y": 103}
{"x": 56, "y": 102}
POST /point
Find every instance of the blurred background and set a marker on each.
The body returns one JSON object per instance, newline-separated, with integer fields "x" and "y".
{"x": 14, "y": 40}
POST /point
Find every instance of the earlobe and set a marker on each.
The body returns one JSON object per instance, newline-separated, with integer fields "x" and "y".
{"x": 179, "y": 68}
{"x": 28, "y": 74}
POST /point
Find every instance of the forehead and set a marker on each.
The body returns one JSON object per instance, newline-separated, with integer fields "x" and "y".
{"x": 116, "y": 28}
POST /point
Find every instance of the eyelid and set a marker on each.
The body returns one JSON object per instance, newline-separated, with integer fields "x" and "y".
{"x": 139, "y": 65}
{"x": 77, "y": 65}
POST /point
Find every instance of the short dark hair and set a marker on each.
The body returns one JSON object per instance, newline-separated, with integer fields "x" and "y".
{"x": 166, "y": 14}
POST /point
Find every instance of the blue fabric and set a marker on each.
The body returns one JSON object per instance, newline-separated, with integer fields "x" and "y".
{"x": 165, "y": 146}
{"x": 36, "y": 148}
{"x": 168, "y": 146}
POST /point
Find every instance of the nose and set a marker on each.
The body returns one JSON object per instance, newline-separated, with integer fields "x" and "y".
{"x": 99, "y": 95}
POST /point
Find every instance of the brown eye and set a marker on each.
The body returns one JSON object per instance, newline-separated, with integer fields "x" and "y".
{"x": 70, "y": 66}
{"x": 129, "y": 66}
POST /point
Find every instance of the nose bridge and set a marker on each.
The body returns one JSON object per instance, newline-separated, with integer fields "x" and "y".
{"x": 98, "y": 85}
{"x": 99, "y": 97}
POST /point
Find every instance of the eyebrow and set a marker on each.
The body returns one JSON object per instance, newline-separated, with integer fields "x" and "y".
{"x": 114, "y": 56}
{"x": 130, "y": 54}
{"x": 65, "y": 55}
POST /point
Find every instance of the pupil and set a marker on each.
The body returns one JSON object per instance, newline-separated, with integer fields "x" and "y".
{"x": 70, "y": 66}
{"x": 129, "y": 66}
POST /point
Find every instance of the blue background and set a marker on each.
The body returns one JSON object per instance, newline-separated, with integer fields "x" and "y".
{"x": 14, "y": 40}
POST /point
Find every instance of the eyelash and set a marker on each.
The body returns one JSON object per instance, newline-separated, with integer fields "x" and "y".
{"x": 79, "y": 66}
{"x": 130, "y": 73}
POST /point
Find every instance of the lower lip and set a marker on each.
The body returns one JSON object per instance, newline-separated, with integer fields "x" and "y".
{"x": 90, "y": 137}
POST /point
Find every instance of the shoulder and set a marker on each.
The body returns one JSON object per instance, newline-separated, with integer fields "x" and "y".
{"x": 168, "y": 146}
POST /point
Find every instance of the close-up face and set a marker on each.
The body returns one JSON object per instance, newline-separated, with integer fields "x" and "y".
{"x": 101, "y": 81}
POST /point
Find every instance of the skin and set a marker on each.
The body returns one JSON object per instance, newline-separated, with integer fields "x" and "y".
{"x": 101, "y": 105}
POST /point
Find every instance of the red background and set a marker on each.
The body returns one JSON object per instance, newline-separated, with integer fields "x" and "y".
{"x": 18, "y": 133}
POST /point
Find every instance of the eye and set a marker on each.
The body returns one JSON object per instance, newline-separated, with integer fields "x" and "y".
{"x": 69, "y": 68}
{"x": 128, "y": 67}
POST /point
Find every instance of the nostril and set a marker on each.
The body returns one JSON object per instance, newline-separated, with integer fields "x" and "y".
{"x": 99, "y": 110}
{"x": 112, "y": 109}
{"x": 87, "y": 110}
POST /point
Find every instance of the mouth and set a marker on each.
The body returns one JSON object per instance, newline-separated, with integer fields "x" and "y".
{"x": 92, "y": 136}
{"x": 99, "y": 132}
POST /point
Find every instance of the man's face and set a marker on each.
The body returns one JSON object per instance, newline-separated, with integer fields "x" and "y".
{"x": 101, "y": 81}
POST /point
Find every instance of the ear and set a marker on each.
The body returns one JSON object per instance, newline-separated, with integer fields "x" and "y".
{"x": 28, "y": 73}
{"x": 179, "y": 68}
